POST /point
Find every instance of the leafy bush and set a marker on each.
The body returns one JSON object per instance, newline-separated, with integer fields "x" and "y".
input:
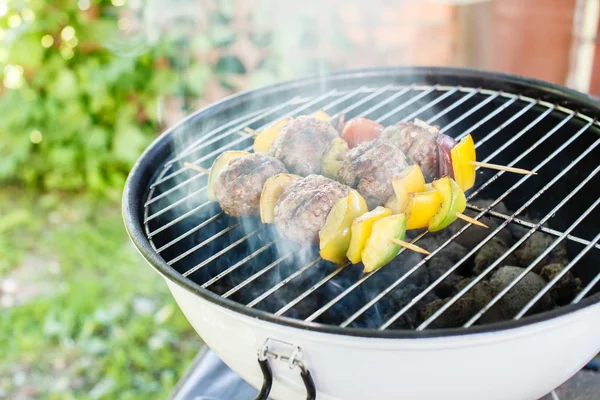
{"x": 79, "y": 96}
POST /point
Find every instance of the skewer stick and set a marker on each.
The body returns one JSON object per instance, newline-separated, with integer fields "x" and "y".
{"x": 410, "y": 246}
{"x": 503, "y": 168}
{"x": 471, "y": 220}
{"x": 250, "y": 131}
{"x": 196, "y": 168}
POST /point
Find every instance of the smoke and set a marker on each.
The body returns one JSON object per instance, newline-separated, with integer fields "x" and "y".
{"x": 274, "y": 41}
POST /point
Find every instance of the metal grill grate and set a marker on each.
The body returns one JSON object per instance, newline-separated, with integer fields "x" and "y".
{"x": 247, "y": 262}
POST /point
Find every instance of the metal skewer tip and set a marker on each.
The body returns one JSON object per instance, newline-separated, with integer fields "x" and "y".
{"x": 196, "y": 168}
{"x": 250, "y": 131}
{"x": 410, "y": 246}
{"x": 503, "y": 168}
{"x": 471, "y": 220}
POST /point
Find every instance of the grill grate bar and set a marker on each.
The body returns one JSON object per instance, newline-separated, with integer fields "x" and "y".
{"x": 562, "y": 273}
{"x": 453, "y": 105}
{"x": 314, "y": 287}
{"x": 489, "y": 117}
{"x": 221, "y": 252}
{"x": 535, "y": 262}
{"x": 189, "y": 232}
{"x": 500, "y": 227}
{"x": 237, "y": 265}
{"x": 175, "y": 204}
{"x": 406, "y": 104}
{"x": 241, "y": 122}
{"x": 471, "y": 111}
{"x": 202, "y": 244}
{"x": 431, "y": 104}
{"x": 365, "y": 277}
{"x": 524, "y": 131}
{"x": 365, "y": 99}
{"x": 386, "y": 101}
{"x": 174, "y": 188}
{"x": 586, "y": 289}
{"x": 178, "y": 219}
{"x": 262, "y": 271}
{"x": 529, "y": 150}
{"x": 527, "y": 224}
{"x": 243, "y": 136}
{"x": 283, "y": 283}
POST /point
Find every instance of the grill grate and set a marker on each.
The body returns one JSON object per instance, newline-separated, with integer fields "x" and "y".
{"x": 246, "y": 262}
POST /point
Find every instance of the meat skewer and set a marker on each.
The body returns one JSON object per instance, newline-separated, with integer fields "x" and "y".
{"x": 436, "y": 153}
{"x": 301, "y": 210}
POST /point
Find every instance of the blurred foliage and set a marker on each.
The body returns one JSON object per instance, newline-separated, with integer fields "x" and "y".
{"x": 79, "y": 94}
{"x": 91, "y": 320}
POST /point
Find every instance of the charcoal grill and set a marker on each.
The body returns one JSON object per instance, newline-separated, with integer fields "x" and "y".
{"x": 250, "y": 294}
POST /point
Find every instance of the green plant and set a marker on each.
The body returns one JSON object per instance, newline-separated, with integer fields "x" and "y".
{"x": 79, "y": 92}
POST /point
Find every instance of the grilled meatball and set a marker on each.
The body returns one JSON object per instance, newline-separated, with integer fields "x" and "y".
{"x": 302, "y": 209}
{"x": 369, "y": 167}
{"x": 238, "y": 187}
{"x": 302, "y": 143}
{"x": 422, "y": 145}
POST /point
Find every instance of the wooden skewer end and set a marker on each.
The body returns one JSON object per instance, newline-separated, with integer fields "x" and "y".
{"x": 410, "y": 246}
{"x": 471, "y": 220}
{"x": 196, "y": 168}
{"x": 503, "y": 168}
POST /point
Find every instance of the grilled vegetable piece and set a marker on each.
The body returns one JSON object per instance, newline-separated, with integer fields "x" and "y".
{"x": 393, "y": 205}
{"x": 336, "y": 233}
{"x": 272, "y": 190}
{"x": 361, "y": 231}
{"x": 334, "y": 158}
{"x": 410, "y": 180}
{"x": 264, "y": 140}
{"x": 379, "y": 249}
{"x": 358, "y": 130}
{"x": 422, "y": 206}
{"x": 462, "y": 155}
{"x": 219, "y": 165}
{"x": 454, "y": 201}
{"x": 321, "y": 115}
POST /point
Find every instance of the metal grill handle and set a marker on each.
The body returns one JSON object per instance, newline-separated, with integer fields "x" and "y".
{"x": 293, "y": 360}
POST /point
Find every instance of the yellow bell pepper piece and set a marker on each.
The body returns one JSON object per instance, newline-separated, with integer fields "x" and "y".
{"x": 272, "y": 190}
{"x": 219, "y": 165}
{"x": 410, "y": 180}
{"x": 379, "y": 249}
{"x": 422, "y": 206}
{"x": 334, "y": 236}
{"x": 454, "y": 202}
{"x": 264, "y": 140}
{"x": 321, "y": 115}
{"x": 361, "y": 231}
{"x": 462, "y": 154}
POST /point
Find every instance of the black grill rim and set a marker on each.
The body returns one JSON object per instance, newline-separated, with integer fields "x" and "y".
{"x": 144, "y": 170}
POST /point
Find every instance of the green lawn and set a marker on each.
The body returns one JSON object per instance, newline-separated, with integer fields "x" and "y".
{"x": 81, "y": 314}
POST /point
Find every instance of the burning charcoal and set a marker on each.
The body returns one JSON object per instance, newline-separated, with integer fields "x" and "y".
{"x": 402, "y": 296}
{"x": 516, "y": 298}
{"x": 489, "y": 253}
{"x": 442, "y": 262}
{"x": 535, "y": 245}
{"x": 475, "y": 234}
{"x": 567, "y": 287}
{"x": 465, "y": 307}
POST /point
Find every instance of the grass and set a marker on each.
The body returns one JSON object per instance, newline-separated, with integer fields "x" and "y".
{"x": 82, "y": 315}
